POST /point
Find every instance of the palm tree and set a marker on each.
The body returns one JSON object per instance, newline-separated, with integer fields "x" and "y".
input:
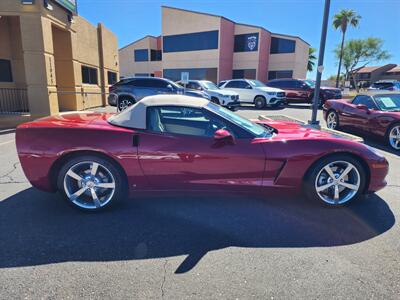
{"x": 311, "y": 59}
{"x": 341, "y": 20}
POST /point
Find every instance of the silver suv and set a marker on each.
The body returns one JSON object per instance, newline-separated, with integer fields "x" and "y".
{"x": 130, "y": 90}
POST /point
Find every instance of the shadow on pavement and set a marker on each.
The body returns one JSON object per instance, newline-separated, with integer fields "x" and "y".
{"x": 38, "y": 228}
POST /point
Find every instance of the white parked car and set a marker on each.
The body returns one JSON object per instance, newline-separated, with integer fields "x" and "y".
{"x": 219, "y": 96}
{"x": 255, "y": 92}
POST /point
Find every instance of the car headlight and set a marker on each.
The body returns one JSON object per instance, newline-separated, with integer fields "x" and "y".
{"x": 271, "y": 93}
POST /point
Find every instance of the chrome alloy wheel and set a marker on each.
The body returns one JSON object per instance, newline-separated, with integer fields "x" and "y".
{"x": 89, "y": 185}
{"x": 331, "y": 120}
{"x": 394, "y": 137}
{"x": 124, "y": 104}
{"x": 337, "y": 182}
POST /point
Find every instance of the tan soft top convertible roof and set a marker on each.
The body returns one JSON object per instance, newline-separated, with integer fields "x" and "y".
{"x": 135, "y": 116}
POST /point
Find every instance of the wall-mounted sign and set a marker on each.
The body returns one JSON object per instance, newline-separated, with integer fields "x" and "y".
{"x": 69, "y": 5}
{"x": 185, "y": 77}
{"x": 252, "y": 42}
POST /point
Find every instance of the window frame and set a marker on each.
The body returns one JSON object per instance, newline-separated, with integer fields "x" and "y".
{"x": 176, "y": 42}
{"x": 90, "y": 74}
{"x": 6, "y": 63}
{"x": 275, "y": 43}
{"x": 136, "y": 55}
{"x": 238, "y": 132}
{"x": 113, "y": 74}
{"x": 241, "y": 38}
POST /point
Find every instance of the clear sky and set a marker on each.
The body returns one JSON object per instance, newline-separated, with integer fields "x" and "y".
{"x": 133, "y": 19}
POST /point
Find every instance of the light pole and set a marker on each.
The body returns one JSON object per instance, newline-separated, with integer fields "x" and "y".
{"x": 313, "y": 122}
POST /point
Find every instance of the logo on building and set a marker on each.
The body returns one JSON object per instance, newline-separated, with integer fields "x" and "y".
{"x": 252, "y": 42}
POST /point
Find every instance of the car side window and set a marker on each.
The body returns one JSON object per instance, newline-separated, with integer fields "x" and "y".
{"x": 366, "y": 100}
{"x": 156, "y": 83}
{"x": 232, "y": 84}
{"x": 193, "y": 86}
{"x": 184, "y": 121}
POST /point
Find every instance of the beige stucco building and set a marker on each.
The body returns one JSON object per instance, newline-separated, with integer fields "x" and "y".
{"x": 52, "y": 60}
{"x": 215, "y": 48}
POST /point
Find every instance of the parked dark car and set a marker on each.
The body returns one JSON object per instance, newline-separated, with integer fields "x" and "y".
{"x": 130, "y": 90}
{"x": 388, "y": 85}
{"x": 302, "y": 91}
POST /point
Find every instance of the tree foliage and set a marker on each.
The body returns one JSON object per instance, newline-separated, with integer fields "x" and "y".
{"x": 311, "y": 59}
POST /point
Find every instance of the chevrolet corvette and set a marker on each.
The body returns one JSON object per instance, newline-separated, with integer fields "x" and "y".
{"x": 181, "y": 143}
{"x": 373, "y": 113}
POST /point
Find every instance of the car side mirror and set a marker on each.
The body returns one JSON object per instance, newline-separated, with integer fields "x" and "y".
{"x": 362, "y": 107}
{"x": 223, "y": 135}
{"x": 248, "y": 87}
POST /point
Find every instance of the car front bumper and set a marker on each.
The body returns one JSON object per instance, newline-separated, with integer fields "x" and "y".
{"x": 276, "y": 101}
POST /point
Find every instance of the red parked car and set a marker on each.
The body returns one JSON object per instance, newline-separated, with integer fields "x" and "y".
{"x": 374, "y": 113}
{"x": 302, "y": 91}
{"x": 172, "y": 142}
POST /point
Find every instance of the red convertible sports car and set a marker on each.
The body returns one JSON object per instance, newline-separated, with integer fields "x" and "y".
{"x": 172, "y": 142}
{"x": 373, "y": 113}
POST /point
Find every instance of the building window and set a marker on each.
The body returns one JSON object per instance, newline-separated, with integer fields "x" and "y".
{"x": 279, "y": 45}
{"x": 246, "y": 42}
{"x": 111, "y": 77}
{"x": 155, "y": 55}
{"x": 5, "y": 71}
{"x": 245, "y": 73}
{"x": 141, "y": 74}
{"x": 89, "y": 75}
{"x": 364, "y": 75}
{"x": 195, "y": 74}
{"x": 280, "y": 74}
{"x": 191, "y": 41}
{"x": 141, "y": 55}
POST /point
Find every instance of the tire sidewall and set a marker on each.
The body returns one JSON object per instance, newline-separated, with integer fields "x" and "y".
{"x": 120, "y": 183}
{"x": 309, "y": 180}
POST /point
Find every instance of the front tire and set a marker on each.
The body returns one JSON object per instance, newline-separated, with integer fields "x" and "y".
{"x": 91, "y": 183}
{"x": 335, "y": 180}
{"x": 259, "y": 102}
{"x": 332, "y": 120}
{"x": 215, "y": 100}
{"x": 393, "y": 136}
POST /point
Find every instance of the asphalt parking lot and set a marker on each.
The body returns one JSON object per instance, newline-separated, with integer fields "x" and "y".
{"x": 198, "y": 246}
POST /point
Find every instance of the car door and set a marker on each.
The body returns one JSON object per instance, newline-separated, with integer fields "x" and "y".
{"x": 178, "y": 151}
{"x": 243, "y": 88}
{"x": 354, "y": 118}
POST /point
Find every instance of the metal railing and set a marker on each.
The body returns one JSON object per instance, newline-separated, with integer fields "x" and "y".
{"x": 13, "y": 101}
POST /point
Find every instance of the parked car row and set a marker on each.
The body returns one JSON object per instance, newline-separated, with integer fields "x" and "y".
{"x": 228, "y": 93}
{"x": 374, "y": 114}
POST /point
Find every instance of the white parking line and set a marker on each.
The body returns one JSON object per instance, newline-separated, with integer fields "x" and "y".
{"x": 4, "y": 143}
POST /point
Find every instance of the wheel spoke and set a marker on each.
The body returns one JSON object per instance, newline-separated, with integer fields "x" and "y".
{"x": 94, "y": 168}
{"x": 72, "y": 174}
{"x": 349, "y": 185}
{"x": 79, "y": 192}
{"x": 336, "y": 195}
{"x": 324, "y": 187}
{"x": 106, "y": 185}
{"x": 329, "y": 171}
{"x": 95, "y": 199}
{"x": 346, "y": 171}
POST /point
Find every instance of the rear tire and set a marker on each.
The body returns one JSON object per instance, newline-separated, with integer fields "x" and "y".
{"x": 335, "y": 180}
{"x": 124, "y": 102}
{"x": 259, "y": 102}
{"x": 91, "y": 183}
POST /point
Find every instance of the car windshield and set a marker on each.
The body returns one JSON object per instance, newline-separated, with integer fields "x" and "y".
{"x": 382, "y": 85}
{"x": 208, "y": 85}
{"x": 388, "y": 102}
{"x": 310, "y": 83}
{"x": 256, "y": 83}
{"x": 255, "y": 129}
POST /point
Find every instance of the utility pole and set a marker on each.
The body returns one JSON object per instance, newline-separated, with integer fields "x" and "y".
{"x": 313, "y": 122}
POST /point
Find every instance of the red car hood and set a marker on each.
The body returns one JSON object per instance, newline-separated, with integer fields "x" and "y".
{"x": 291, "y": 130}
